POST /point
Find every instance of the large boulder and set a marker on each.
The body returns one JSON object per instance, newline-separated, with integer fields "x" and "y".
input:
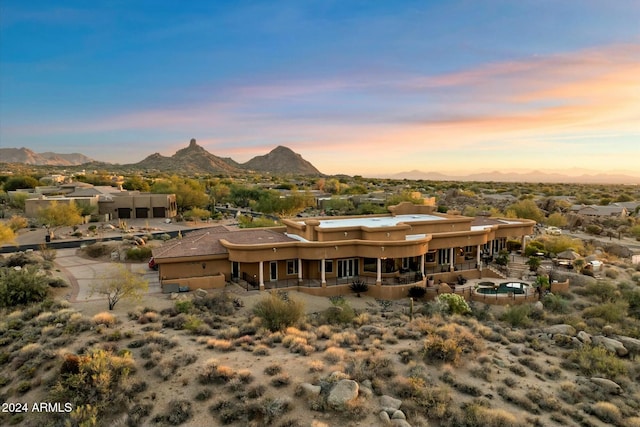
{"x": 607, "y": 385}
{"x": 563, "y": 329}
{"x": 631, "y": 344}
{"x": 390, "y": 402}
{"x": 342, "y": 393}
{"x": 584, "y": 337}
{"x": 610, "y": 344}
{"x": 310, "y": 390}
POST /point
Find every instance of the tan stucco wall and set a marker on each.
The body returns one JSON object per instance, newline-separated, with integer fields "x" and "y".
{"x": 207, "y": 282}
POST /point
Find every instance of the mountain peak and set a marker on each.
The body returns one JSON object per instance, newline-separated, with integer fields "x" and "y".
{"x": 282, "y": 160}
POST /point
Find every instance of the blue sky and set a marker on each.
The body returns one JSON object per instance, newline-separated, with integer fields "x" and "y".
{"x": 367, "y": 87}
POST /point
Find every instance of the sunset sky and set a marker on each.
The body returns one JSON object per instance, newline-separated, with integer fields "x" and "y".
{"x": 355, "y": 87}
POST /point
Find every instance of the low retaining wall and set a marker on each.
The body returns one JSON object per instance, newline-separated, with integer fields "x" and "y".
{"x": 207, "y": 282}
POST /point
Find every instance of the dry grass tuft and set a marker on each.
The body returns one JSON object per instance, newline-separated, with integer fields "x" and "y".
{"x": 104, "y": 318}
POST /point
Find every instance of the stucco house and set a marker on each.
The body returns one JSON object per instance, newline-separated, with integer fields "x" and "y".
{"x": 324, "y": 255}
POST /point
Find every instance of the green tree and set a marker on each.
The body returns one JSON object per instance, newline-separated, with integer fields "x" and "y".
{"x": 557, "y": 219}
{"x": 19, "y": 182}
{"x": 58, "y": 215}
{"x": 120, "y": 284}
{"x": 525, "y": 209}
{"x": 136, "y": 183}
{"x": 453, "y": 304}
{"x": 533, "y": 263}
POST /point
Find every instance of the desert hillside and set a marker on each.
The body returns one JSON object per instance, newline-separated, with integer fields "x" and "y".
{"x": 232, "y": 357}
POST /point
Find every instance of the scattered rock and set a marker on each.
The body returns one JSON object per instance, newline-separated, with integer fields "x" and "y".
{"x": 390, "y": 402}
{"x": 368, "y": 330}
{"x": 343, "y": 392}
{"x": 631, "y": 344}
{"x": 607, "y": 385}
{"x": 384, "y": 417}
{"x": 173, "y": 295}
{"x": 607, "y": 330}
{"x": 200, "y": 293}
{"x": 538, "y": 306}
{"x": 610, "y": 344}
{"x": 365, "y": 392}
{"x": 398, "y": 415}
{"x": 310, "y": 390}
{"x": 561, "y": 329}
{"x": 516, "y": 350}
{"x": 584, "y": 337}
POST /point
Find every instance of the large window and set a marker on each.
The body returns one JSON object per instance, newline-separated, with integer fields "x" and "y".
{"x": 347, "y": 267}
{"x": 292, "y": 267}
{"x": 328, "y": 266}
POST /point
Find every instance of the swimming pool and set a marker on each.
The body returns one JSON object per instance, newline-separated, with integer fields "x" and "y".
{"x": 518, "y": 288}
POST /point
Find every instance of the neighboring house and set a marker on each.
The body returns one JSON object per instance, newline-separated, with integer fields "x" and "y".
{"x": 324, "y": 255}
{"x": 134, "y": 204}
{"x": 33, "y": 206}
{"x": 600, "y": 211}
{"x": 110, "y": 202}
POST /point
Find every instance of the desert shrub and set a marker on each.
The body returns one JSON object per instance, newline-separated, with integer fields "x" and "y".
{"x": 104, "y": 318}
{"x": 92, "y": 383}
{"x": 601, "y": 290}
{"x": 597, "y": 361}
{"x": 203, "y": 394}
{"x": 334, "y": 354}
{"x": 137, "y": 413}
{"x": 358, "y": 287}
{"x": 266, "y": 411}
{"x": 417, "y": 292}
{"x": 178, "y": 412}
{"x": 612, "y": 273}
{"x": 453, "y": 304}
{"x": 139, "y": 254}
{"x": 24, "y": 286}
{"x": 607, "y": 412}
{"x": 280, "y": 380}
{"x": 221, "y": 304}
{"x": 183, "y": 306}
{"x": 476, "y": 414}
{"x": 517, "y": 315}
{"x": 612, "y": 312}
{"x": 273, "y": 369}
{"x": 344, "y": 339}
{"x": 220, "y": 345}
{"x": 212, "y": 373}
{"x": 556, "y": 303}
{"x": 340, "y": 312}
{"x": 278, "y": 314}
{"x": 633, "y": 300}
{"x": 439, "y": 349}
{"x": 97, "y": 250}
{"x": 368, "y": 366}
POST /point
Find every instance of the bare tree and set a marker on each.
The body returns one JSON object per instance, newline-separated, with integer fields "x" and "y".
{"x": 121, "y": 284}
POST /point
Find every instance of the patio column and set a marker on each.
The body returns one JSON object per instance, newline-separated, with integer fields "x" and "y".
{"x": 422, "y": 265}
{"x": 451, "y": 259}
{"x": 323, "y": 277}
{"x": 478, "y": 260}
{"x": 261, "y": 275}
{"x": 379, "y": 271}
{"x": 299, "y": 269}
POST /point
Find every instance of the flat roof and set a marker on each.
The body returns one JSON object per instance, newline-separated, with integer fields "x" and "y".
{"x": 375, "y": 222}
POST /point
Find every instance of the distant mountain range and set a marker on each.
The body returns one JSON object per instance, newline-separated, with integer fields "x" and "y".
{"x": 533, "y": 176}
{"x": 191, "y": 159}
{"x": 26, "y": 156}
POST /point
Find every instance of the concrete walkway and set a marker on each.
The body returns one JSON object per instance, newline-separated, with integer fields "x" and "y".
{"x": 82, "y": 273}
